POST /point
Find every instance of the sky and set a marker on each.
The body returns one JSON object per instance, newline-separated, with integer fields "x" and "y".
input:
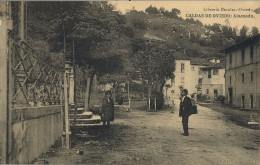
{"x": 208, "y": 12}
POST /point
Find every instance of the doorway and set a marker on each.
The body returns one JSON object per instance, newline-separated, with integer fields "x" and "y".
{"x": 251, "y": 101}
{"x": 230, "y": 92}
{"x": 243, "y": 101}
{"x": 215, "y": 93}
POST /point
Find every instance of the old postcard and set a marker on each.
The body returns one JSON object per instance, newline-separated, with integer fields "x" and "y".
{"x": 129, "y": 82}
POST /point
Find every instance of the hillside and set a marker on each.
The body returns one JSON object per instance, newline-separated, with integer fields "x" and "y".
{"x": 197, "y": 40}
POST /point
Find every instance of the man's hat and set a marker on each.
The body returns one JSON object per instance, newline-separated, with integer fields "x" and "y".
{"x": 185, "y": 91}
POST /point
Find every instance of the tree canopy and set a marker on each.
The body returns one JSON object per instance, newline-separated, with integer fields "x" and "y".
{"x": 95, "y": 28}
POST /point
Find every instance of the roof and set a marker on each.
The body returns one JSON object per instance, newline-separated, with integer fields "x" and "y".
{"x": 205, "y": 62}
{"x": 242, "y": 44}
{"x": 200, "y": 61}
{"x": 181, "y": 56}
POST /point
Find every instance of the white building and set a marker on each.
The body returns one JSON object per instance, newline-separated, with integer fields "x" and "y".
{"x": 197, "y": 75}
{"x": 209, "y": 75}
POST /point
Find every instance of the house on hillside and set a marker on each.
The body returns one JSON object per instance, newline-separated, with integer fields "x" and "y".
{"x": 243, "y": 74}
{"x": 198, "y": 75}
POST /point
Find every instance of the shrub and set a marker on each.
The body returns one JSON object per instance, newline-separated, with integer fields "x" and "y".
{"x": 202, "y": 98}
{"x": 221, "y": 98}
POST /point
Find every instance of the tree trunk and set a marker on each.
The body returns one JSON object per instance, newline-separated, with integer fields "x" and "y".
{"x": 95, "y": 82}
{"x": 88, "y": 91}
{"x": 156, "y": 86}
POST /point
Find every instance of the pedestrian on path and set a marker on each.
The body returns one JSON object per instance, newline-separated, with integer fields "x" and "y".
{"x": 185, "y": 109}
{"x": 107, "y": 109}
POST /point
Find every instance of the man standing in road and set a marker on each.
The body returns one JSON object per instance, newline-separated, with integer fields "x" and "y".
{"x": 185, "y": 109}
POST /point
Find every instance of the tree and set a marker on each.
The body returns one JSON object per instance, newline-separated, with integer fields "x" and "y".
{"x": 227, "y": 31}
{"x": 155, "y": 62}
{"x": 162, "y": 10}
{"x": 136, "y": 19}
{"x": 215, "y": 27}
{"x": 234, "y": 33}
{"x": 254, "y": 31}
{"x": 175, "y": 13}
{"x": 152, "y": 10}
{"x": 95, "y": 29}
{"x": 243, "y": 33}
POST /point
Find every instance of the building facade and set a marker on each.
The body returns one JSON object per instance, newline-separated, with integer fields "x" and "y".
{"x": 181, "y": 79}
{"x": 212, "y": 81}
{"x": 197, "y": 75}
{"x": 243, "y": 74}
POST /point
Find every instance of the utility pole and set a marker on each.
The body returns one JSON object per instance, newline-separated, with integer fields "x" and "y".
{"x": 21, "y": 21}
{"x": 150, "y": 73}
{"x": 150, "y": 82}
{"x": 26, "y": 21}
{"x": 62, "y": 112}
{"x": 66, "y": 79}
{"x": 71, "y": 78}
{"x": 128, "y": 89}
{"x": 67, "y": 124}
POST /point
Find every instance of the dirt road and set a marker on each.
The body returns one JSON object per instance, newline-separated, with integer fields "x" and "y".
{"x": 141, "y": 137}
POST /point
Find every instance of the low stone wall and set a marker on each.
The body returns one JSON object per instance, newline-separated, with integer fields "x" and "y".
{"x": 34, "y": 131}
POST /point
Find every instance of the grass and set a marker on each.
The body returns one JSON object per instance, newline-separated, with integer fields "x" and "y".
{"x": 240, "y": 117}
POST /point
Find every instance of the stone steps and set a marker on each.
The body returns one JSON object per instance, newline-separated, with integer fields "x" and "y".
{"x": 78, "y": 111}
{"x": 84, "y": 115}
{"x": 79, "y": 118}
{"x": 87, "y": 125}
{"x": 95, "y": 119}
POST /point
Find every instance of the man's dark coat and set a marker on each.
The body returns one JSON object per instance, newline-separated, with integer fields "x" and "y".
{"x": 185, "y": 107}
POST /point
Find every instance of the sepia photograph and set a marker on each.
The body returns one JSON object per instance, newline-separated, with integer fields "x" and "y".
{"x": 130, "y": 82}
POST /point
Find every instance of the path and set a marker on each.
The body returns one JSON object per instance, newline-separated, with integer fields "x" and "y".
{"x": 141, "y": 137}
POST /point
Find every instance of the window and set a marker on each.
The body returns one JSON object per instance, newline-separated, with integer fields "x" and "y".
{"x": 200, "y": 71}
{"x": 172, "y": 80}
{"x": 182, "y": 68}
{"x": 252, "y": 76}
{"x": 215, "y": 71}
{"x": 251, "y": 54}
{"x": 209, "y": 73}
{"x": 229, "y": 79}
{"x": 243, "y": 77}
{"x": 172, "y": 91}
{"x": 207, "y": 91}
{"x": 200, "y": 81}
{"x": 230, "y": 59}
{"x": 182, "y": 80}
{"x": 192, "y": 68}
{"x": 243, "y": 57}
